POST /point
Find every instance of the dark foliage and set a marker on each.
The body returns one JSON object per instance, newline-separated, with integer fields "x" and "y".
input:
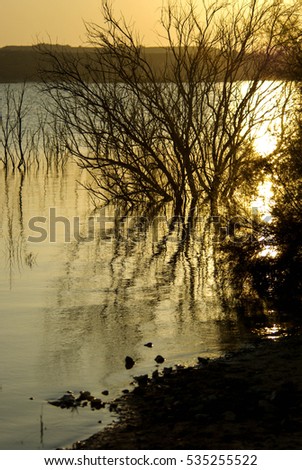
{"x": 270, "y": 262}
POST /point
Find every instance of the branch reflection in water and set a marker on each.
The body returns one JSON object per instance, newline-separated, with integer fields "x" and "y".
{"x": 77, "y": 309}
{"x": 81, "y": 307}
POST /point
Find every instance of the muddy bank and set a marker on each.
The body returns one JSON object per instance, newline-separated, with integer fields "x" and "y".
{"x": 249, "y": 400}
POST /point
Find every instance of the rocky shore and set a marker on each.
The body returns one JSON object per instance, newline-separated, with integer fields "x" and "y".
{"x": 250, "y": 399}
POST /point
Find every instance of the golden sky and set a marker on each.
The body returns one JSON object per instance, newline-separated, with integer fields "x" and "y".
{"x": 26, "y": 22}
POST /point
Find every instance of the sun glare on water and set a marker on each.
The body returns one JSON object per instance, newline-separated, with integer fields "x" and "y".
{"x": 263, "y": 202}
{"x": 262, "y": 207}
{"x": 265, "y": 144}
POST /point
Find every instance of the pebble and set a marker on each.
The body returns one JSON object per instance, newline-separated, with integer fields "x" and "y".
{"x": 97, "y": 404}
{"x": 129, "y": 362}
{"x": 86, "y": 395}
{"x": 159, "y": 359}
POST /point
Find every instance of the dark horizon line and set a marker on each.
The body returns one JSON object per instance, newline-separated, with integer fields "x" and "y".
{"x": 24, "y": 46}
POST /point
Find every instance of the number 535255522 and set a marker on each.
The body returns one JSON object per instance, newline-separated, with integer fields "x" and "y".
{"x": 221, "y": 459}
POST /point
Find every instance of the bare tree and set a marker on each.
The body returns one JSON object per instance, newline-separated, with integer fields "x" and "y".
{"x": 179, "y": 128}
{"x": 17, "y": 139}
{"x": 7, "y": 129}
{"x": 28, "y": 132}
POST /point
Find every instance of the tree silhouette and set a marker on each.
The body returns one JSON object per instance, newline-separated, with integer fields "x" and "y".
{"x": 178, "y": 128}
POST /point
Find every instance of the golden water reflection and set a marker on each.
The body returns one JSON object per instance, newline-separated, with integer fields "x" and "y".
{"x": 76, "y": 309}
{"x": 265, "y": 143}
{"x": 274, "y": 332}
{"x": 71, "y": 311}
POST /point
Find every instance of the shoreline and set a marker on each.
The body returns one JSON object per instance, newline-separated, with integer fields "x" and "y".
{"x": 249, "y": 399}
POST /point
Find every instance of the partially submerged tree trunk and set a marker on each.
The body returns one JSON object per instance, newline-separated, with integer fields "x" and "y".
{"x": 171, "y": 131}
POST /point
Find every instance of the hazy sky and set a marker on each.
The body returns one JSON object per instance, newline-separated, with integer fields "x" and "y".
{"x": 26, "y": 22}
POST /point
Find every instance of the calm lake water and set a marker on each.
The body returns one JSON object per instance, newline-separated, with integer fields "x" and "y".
{"x": 72, "y": 308}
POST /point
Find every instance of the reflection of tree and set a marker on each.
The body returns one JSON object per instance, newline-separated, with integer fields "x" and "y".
{"x": 133, "y": 265}
{"x": 15, "y": 250}
{"x": 110, "y": 293}
{"x": 22, "y": 195}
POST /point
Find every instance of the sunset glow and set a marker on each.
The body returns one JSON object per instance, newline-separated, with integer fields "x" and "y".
{"x": 32, "y": 21}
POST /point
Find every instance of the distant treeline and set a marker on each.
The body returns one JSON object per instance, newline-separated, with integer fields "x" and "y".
{"x": 25, "y": 63}
{"x": 18, "y": 64}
